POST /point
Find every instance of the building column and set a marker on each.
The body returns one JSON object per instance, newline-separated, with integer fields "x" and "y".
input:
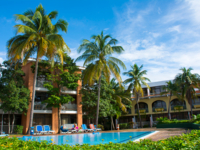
{"x": 28, "y": 79}
{"x": 55, "y": 120}
{"x": 148, "y": 91}
{"x": 79, "y": 105}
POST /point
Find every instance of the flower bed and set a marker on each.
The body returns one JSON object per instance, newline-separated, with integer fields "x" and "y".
{"x": 185, "y": 141}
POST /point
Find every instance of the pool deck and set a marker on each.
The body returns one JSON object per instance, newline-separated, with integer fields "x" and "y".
{"x": 162, "y": 134}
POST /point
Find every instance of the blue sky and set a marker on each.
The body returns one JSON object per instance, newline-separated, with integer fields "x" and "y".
{"x": 162, "y": 35}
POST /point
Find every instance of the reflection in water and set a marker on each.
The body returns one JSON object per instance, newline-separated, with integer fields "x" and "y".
{"x": 92, "y": 139}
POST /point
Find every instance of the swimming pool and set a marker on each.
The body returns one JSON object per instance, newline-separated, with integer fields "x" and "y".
{"x": 90, "y": 138}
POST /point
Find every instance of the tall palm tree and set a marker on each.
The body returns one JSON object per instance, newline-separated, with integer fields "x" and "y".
{"x": 188, "y": 82}
{"x": 36, "y": 35}
{"x": 136, "y": 80}
{"x": 121, "y": 96}
{"x": 99, "y": 61}
{"x": 172, "y": 89}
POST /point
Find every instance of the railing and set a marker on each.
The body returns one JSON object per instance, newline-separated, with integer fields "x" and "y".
{"x": 159, "y": 109}
{"x": 72, "y": 107}
{"x": 181, "y": 107}
{"x": 40, "y": 83}
{"x": 65, "y": 89}
{"x": 40, "y": 106}
{"x": 5, "y": 129}
{"x": 142, "y": 110}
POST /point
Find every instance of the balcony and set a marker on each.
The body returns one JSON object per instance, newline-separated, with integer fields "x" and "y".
{"x": 40, "y": 106}
{"x": 142, "y": 110}
{"x": 178, "y": 107}
{"x": 159, "y": 109}
{"x": 65, "y": 90}
{"x": 69, "y": 107}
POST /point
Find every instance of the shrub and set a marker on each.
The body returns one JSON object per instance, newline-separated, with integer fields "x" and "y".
{"x": 123, "y": 125}
{"x": 185, "y": 141}
{"x": 100, "y": 126}
{"x": 19, "y": 129}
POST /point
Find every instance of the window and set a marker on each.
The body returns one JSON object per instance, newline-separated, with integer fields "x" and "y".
{"x": 196, "y": 102}
{"x": 179, "y": 115}
{"x": 42, "y": 119}
{"x": 68, "y": 119}
{"x": 176, "y": 102}
{"x": 159, "y": 104}
{"x": 142, "y": 106}
{"x": 39, "y": 97}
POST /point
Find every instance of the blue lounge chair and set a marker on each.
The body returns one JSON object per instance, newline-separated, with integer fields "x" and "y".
{"x": 85, "y": 128}
{"x": 97, "y": 128}
{"x": 64, "y": 130}
{"x": 47, "y": 128}
{"x": 39, "y": 129}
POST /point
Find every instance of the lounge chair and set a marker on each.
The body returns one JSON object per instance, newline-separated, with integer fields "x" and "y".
{"x": 69, "y": 127}
{"x": 85, "y": 128}
{"x": 47, "y": 128}
{"x": 98, "y": 129}
{"x": 64, "y": 130}
{"x": 39, "y": 129}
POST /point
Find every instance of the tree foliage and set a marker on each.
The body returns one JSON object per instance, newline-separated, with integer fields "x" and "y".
{"x": 112, "y": 102}
{"x": 97, "y": 56}
{"x": 14, "y": 95}
{"x": 59, "y": 76}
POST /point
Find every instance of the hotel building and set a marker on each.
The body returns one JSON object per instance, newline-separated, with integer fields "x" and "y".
{"x": 153, "y": 105}
{"x": 70, "y": 113}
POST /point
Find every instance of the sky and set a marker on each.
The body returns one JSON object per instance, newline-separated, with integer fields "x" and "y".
{"x": 161, "y": 35}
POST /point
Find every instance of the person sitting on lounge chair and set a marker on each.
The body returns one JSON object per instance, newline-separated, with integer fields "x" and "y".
{"x": 75, "y": 128}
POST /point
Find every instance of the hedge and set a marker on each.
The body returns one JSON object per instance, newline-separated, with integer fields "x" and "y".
{"x": 185, "y": 141}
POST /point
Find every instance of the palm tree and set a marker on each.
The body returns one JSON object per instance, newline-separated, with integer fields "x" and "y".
{"x": 97, "y": 56}
{"x": 172, "y": 89}
{"x": 121, "y": 96}
{"x": 136, "y": 80}
{"x": 37, "y": 35}
{"x": 188, "y": 82}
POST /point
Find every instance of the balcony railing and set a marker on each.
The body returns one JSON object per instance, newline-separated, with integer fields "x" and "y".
{"x": 70, "y": 107}
{"x": 142, "y": 110}
{"x": 40, "y": 83}
{"x": 181, "y": 107}
{"x": 40, "y": 106}
{"x": 159, "y": 109}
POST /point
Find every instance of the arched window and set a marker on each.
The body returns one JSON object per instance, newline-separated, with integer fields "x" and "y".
{"x": 143, "y": 107}
{"x": 159, "y": 106}
{"x": 196, "y": 103}
{"x": 177, "y": 104}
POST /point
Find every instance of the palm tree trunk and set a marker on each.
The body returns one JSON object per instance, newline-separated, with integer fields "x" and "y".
{"x": 59, "y": 120}
{"x": 13, "y": 122}
{"x": 139, "y": 110}
{"x": 33, "y": 94}
{"x": 9, "y": 123}
{"x": 113, "y": 126}
{"x": 97, "y": 115}
{"x": 169, "y": 105}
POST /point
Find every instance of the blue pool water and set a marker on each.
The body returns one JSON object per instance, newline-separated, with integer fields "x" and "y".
{"x": 92, "y": 139}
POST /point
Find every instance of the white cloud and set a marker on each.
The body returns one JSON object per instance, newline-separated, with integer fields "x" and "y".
{"x": 1, "y": 60}
{"x": 173, "y": 41}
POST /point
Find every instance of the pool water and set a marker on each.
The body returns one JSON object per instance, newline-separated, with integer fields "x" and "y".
{"x": 90, "y": 138}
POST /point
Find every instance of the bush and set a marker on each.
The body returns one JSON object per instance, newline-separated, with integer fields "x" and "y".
{"x": 185, "y": 141}
{"x": 19, "y": 129}
{"x": 123, "y": 126}
{"x": 100, "y": 126}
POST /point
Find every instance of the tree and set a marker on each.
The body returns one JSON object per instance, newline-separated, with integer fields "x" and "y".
{"x": 61, "y": 76}
{"x": 172, "y": 89}
{"x": 37, "y": 35}
{"x": 122, "y": 99}
{"x": 14, "y": 96}
{"x": 136, "y": 80}
{"x": 98, "y": 58}
{"x": 187, "y": 82}
{"x": 110, "y": 104}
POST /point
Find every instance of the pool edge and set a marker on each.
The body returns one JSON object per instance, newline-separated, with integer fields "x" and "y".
{"x": 144, "y": 137}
